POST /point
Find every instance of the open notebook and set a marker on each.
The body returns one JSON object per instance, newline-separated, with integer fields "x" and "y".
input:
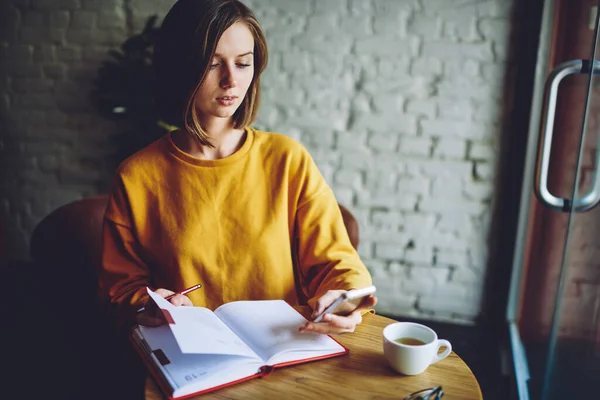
{"x": 200, "y": 350}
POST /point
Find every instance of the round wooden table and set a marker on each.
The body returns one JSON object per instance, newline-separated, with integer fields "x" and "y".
{"x": 361, "y": 374}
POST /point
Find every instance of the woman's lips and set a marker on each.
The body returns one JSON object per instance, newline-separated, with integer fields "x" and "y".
{"x": 226, "y": 100}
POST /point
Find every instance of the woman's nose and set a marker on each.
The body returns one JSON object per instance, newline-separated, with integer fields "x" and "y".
{"x": 228, "y": 80}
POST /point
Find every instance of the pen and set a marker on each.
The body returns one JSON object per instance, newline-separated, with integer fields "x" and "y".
{"x": 184, "y": 291}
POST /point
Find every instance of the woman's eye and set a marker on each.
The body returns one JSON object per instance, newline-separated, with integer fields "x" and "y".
{"x": 243, "y": 65}
{"x": 213, "y": 66}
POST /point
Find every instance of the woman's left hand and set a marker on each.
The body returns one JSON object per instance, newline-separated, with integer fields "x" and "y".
{"x": 347, "y": 317}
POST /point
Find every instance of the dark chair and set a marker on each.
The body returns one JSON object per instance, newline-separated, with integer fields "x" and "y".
{"x": 66, "y": 249}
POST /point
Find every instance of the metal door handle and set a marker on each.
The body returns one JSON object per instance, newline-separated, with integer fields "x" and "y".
{"x": 591, "y": 198}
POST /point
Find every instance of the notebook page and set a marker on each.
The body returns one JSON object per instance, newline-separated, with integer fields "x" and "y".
{"x": 189, "y": 373}
{"x": 270, "y": 327}
{"x": 199, "y": 330}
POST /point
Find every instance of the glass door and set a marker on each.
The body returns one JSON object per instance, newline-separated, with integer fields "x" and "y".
{"x": 554, "y": 304}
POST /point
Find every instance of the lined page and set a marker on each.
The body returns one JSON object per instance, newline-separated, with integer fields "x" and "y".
{"x": 198, "y": 330}
{"x": 270, "y": 327}
{"x": 189, "y": 373}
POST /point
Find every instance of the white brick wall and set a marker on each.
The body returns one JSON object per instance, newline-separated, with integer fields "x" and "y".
{"x": 398, "y": 101}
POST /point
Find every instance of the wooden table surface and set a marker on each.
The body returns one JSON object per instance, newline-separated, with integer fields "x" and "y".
{"x": 362, "y": 374}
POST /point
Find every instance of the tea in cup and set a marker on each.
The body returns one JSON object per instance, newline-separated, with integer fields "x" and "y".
{"x": 410, "y": 347}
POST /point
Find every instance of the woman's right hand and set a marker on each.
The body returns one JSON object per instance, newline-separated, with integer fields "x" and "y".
{"x": 152, "y": 316}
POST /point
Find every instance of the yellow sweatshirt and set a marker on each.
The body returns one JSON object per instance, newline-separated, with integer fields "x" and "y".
{"x": 259, "y": 224}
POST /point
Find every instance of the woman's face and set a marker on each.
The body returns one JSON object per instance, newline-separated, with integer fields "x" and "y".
{"x": 229, "y": 76}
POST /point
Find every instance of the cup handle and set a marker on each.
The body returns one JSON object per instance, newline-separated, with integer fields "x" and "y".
{"x": 446, "y": 353}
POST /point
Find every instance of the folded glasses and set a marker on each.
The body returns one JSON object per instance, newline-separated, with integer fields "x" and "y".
{"x": 435, "y": 393}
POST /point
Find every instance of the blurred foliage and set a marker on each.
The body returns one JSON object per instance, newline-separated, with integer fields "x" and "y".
{"x": 123, "y": 92}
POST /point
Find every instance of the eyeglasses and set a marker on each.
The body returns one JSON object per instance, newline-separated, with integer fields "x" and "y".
{"x": 435, "y": 393}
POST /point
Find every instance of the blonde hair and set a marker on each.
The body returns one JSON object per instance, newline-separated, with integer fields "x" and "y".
{"x": 186, "y": 44}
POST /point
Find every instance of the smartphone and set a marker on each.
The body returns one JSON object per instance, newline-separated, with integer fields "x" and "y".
{"x": 355, "y": 296}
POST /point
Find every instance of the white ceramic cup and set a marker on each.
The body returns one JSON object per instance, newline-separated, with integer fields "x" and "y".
{"x": 410, "y": 359}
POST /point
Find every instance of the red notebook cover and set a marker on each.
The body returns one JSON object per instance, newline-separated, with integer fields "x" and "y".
{"x": 264, "y": 372}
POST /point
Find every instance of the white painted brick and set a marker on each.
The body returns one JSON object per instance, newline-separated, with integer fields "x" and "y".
{"x": 415, "y": 146}
{"x": 450, "y": 148}
{"x": 461, "y": 110}
{"x": 453, "y": 128}
{"x": 418, "y": 222}
{"x": 389, "y": 104}
{"x": 450, "y": 299}
{"x": 444, "y": 5}
{"x": 384, "y": 236}
{"x": 453, "y": 221}
{"x": 83, "y": 19}
{"x": 424, "y": 280}
{"x": 296, "y": 61}
{"x": 462, "y": 87}
{"x": 495, "y": 29}
{"x": 324, "y": 23}
{"x": 344, "y": 195}
{"x": 485, "y": 171}
{"x": 352, "y": 179}
{"x": 355, "y": 159}
{"x": 354, "y": 141}
{"x": 426, "y": 108}
{"x": 417, "y": 87}
{"x": 391, "y": 300}
{"x": 55, "y": 4}
{"x": 394, "y": 24}
{"x": 389, "y": 251}
{"x": 406, "y": 124}
{"x": 114, "y": 18}
{"x": 447, "y": 186}
{"x": 487, "y": 114}
{"x": 323, "y": 44}
{"x": 366, "y": 252}
{"x": 392, "y": 7}
{"x": 427, "y": 26}
{"x": 383, "y": 142}
{"x": 495, "y": 9}
{"x": 407, "y": 184}
{"x": 390, "y": 200}
{"x": 477, "y": 190}
{"x": 447, "y": 49}
{"x": 68, "y": 53}
{"x": 388, "y": 46}
{"x": 435, "y": 204}
{"x": 465, "y": 276}
{"x": 422, "y": 255}
{"x": 294, "y": 7}
{"x": 469, "y": 68}
{"x": 357, "y": 25}
{"x": 451, "y": 257}
{"x": 461, "y": 26}
{"x": 359, "y": 7}
{"x": 388, "y": 220}
{"x": 443, "y": 168}
{"x": 381, "y": 181}
{"x": 426, "y": 67}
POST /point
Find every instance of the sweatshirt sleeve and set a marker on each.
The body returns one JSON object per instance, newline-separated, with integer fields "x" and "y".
{"x": 124, "y": 275}
{"x": 326, "y": 258}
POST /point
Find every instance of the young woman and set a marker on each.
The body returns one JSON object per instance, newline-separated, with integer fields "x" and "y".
{"x": 245, "y": 213}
